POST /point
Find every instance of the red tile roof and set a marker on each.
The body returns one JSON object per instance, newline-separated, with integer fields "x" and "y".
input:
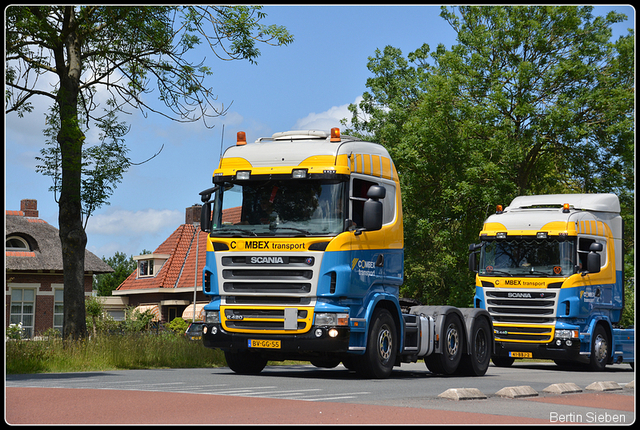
{"x": 180, "y": 269}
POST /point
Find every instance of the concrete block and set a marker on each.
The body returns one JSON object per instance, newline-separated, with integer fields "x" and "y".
{"x": 516, "y": 392}
{"x": 604, "y": 386}
{"x": 462, "y": 394}
{"x": 563, "y": 388}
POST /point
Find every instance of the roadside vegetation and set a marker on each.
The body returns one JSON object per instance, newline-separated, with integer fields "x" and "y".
{"x": 136, "y": 343}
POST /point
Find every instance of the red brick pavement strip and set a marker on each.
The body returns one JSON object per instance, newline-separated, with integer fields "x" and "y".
{"x": 94, "y": 406}
{"x": 616, "y": 402}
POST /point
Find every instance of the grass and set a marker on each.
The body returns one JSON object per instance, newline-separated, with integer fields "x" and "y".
{"x": 109, "y": 352}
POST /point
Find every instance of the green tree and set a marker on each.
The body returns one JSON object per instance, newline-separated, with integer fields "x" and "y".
{"x": 126, "y": 50}
{"x": 530, "y": 100}
{"x": 122, "y": 267}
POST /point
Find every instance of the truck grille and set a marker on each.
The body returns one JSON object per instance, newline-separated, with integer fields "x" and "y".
{"x": 263, "y": 319}
{"x": 522, "y": 316}
{"x": 260, "y": 274}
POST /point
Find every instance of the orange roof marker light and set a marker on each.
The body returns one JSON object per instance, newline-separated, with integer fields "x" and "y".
{"x": 242, "y": 139}
{"x": 335, "y": 134}
{"x": 565, "y": 208}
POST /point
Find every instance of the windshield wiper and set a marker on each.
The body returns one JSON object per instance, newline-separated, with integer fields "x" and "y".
{"x": 536, "y": 272}
{"x": 487, "y": 273}
{"x": 276, "y": 227}
{"x": 229, "y": 230}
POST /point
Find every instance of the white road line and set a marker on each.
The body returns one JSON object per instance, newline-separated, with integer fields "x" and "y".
{"x": 336, "y": 396}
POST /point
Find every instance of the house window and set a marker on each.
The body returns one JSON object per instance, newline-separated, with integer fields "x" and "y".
{"x": 149, "y": 265}
{"x": 22, "y": 309}
{"x": 58, "y": 309}
{"x": 145, "y": 268}
{"x": 16, "y": 243}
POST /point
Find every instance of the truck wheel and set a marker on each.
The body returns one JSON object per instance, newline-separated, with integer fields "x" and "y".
{"x": 325, "y": 362}
{"x": 600, "y": 351}
{"x": 380, "y": 355}
{"x": 476, "y": 362}
{"x": 453, "y": 340}
{"x": 503, "y": 361}
{"x": 245, "y": 363}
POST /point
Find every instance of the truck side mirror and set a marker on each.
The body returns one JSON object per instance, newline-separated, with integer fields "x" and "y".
{"x": 594, "y": 259}
{"x": 205, "y": 212}
{"x": 473, "y": 256}
{"x": 205, "y": 217}
{"x": 372, "y": 217}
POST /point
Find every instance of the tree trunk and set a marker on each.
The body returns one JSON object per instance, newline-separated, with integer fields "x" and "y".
{"x": 70, "y": 138}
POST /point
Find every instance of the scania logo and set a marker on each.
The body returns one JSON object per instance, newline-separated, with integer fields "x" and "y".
{"x": 519, "y": 295}
{"x": 267, "y": 260}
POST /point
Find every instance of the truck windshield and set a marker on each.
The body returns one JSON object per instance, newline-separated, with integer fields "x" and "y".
{"x": 307, "y": 207}
{"x": 528, "y": 257}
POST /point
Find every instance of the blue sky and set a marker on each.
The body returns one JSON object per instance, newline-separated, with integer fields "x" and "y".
{"x": 308, "y": 84}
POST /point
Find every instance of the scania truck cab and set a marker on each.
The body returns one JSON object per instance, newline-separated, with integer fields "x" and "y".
{"x": 305, "y": 260}
{"x": 550, "y": 273}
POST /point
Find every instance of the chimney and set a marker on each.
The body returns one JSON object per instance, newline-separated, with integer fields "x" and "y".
{"x": 192, "y": 215}
{"x": 29, "y": 207}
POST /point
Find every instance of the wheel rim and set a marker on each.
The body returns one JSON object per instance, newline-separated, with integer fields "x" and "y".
{"x": 452, "y": 341}
{"x": 600, "y": 348}
{"x": 385, "y": 344}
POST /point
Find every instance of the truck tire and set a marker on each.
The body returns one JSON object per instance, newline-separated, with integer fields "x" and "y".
{"x": 447, "y": 362}
{"x": 245, "y": 363}
{"x": 325, "y": 362}
{"x": 600, "y": 349}
{"x": 476, "y": 362}
{"x": 503, "y": 361}
{"x": 380, "y": 355}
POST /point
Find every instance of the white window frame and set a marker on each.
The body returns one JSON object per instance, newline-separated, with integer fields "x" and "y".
{"x": 18, "y": 317}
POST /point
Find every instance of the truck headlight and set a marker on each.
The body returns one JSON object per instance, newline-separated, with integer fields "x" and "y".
{"x": 566, "y": 334}
{"x": 330, "y": 318}
{"x": 212, "y": 317}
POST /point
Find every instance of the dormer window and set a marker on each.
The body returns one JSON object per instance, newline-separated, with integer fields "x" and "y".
{"x": 149, "y": 265}
{"x": 17, "y": 243}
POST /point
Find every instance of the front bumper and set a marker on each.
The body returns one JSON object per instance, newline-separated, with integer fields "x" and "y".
{"x": 544, "y": 351}
{"x": 316, "y": 341}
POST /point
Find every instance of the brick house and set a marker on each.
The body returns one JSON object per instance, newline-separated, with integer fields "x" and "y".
{"x": 166, "y": 280}
{"x": 34, "y": 272}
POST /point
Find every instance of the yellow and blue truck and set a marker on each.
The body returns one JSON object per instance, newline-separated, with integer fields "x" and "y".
{"x": 550, "y": 272}
{"x": 305, "y": 259}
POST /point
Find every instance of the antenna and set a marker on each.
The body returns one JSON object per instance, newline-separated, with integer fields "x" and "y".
{"x": 221, "y": 142}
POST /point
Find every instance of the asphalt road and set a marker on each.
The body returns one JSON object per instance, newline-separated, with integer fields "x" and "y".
{"x": 305, "y": 394}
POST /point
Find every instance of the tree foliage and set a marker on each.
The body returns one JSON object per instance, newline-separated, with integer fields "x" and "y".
{"x": 530, "y": 100}
{"x": 125, "y": 51}
{"x": 122, "y": 267}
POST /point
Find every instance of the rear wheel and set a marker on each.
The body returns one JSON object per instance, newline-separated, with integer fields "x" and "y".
{"x": 380, "y": 355}
{"x": 476, "y": 362}
{"x": 453, "y": 337}
{"x": 245, "y": 363}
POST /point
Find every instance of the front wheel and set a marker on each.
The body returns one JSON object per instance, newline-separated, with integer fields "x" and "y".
{"x": 447, "y": 362}
{"x": 245, "y": 363}
{"x": 600, "y": 350}
{"x": 380, "y": 355}
{"x": 503, "y": 361}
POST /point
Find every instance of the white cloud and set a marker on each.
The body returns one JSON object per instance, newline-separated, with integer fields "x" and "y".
{"x": 325, "y": 120}
{"x": 120, "y": 222}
